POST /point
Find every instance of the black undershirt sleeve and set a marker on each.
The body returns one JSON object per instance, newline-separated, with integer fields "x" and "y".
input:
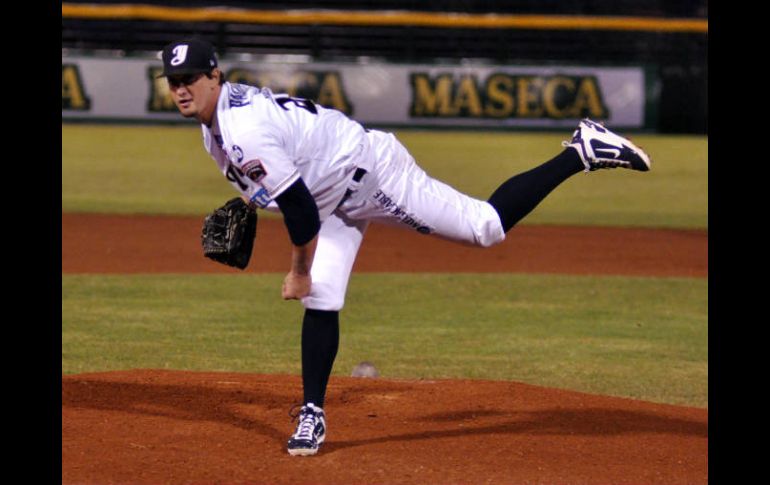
{"x": 300, "y": 213}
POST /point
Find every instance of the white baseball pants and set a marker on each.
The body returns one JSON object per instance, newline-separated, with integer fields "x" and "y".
{"x": 396, "y": 192}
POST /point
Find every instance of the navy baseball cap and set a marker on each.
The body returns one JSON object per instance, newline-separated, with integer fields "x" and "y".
{"x": 188, "y": 56}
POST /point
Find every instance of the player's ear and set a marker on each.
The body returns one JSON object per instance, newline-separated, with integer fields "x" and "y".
{"x": 220, "y": 74}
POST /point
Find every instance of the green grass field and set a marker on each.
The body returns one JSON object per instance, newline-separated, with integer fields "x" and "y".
{"x": 637, "y": 337}
{"x": 644, "y": 338}
{"x": 164, "y": 169}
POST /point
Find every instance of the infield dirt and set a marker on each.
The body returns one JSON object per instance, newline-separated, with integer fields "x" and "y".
{"x": 173, "y": 427}
{"x": 93, "y": 243}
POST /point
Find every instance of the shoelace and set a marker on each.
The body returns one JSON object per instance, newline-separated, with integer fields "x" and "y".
{"x": 306, "y": 424}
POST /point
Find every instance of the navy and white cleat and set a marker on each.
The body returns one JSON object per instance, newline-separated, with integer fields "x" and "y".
{"x": 310, "y": 432}
{"x": 598, "y": 148}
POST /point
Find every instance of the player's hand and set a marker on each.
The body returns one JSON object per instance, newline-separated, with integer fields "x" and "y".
{"x": 296, "y": 286}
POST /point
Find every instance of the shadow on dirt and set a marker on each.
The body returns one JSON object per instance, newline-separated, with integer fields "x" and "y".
{"x": 192, "y": 403}
{"x": 224, "y": 402}
{"x": 586, "y": 422}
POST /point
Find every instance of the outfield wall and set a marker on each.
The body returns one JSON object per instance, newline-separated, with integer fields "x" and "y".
{"x": 386, "y": 94}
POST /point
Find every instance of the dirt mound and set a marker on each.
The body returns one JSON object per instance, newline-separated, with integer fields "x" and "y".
{"x": 170, "y": 427}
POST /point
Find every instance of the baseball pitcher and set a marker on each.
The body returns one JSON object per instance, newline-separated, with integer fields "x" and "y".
{"x": 330, "y": 178}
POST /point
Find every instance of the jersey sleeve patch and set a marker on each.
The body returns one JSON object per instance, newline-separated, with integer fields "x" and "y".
{"x": 255, "y": 170}
{"x": 260, "y": 198}
{"x": 238, "y": 96}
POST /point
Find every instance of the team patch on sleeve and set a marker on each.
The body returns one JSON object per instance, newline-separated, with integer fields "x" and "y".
{"x": 238, "y": 96}
{"x": 254, "y": 170}
{"x": 261, "y": 198}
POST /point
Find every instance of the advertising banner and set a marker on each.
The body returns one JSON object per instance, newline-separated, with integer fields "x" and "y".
{"x": 380, "y": 94}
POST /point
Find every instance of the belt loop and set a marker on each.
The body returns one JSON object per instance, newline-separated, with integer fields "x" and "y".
{"x": 360, "y": 172}
{"x": 357, "y": 176}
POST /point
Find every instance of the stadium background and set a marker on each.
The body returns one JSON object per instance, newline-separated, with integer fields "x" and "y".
{"x": 153, "y": 391}
{"x": 676, "y": 54}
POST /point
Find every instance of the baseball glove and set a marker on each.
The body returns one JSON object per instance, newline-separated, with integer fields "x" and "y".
{"x": 228, "y": 233}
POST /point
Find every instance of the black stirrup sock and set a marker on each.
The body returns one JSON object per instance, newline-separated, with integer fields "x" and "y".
{"x": 320, "y": 341}
{"x": 518, "y": 195}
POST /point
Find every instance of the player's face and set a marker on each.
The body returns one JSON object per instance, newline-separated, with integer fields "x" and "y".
{"x": 195, "y": 95}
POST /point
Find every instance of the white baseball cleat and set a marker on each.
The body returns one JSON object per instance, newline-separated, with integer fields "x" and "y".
{"x": 310, "y": 432}
{"x": 598, "y": 148}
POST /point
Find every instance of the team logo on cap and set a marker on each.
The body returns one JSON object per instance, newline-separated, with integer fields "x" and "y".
{"x": 254, "y": 170}
{"x": 180, "y": 54}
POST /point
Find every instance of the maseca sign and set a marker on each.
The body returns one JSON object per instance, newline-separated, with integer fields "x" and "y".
{"x": 114, "y": 89}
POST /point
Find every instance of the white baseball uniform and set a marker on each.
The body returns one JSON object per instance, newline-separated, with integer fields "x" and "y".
{"x": 263, "y": 142}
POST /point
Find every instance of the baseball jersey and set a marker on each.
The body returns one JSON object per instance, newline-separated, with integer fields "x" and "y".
{"x": 263, "y": 142}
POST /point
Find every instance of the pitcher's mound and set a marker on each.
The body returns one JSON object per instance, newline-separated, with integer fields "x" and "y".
{"x": 173, "y": 427}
